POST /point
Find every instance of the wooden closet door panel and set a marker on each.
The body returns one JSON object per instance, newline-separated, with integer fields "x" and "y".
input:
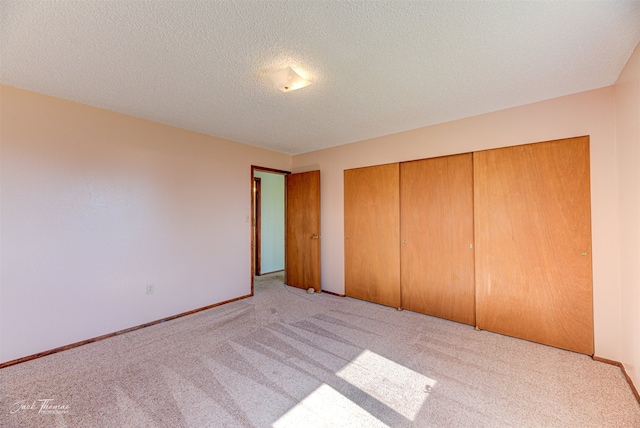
{"x": 533, "y": 243}
{"x": 372, "y": 234}
{"x": 437, "y": 263}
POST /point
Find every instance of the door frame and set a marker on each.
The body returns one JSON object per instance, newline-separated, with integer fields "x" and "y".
{"x": 254, "y": 169}
{"x": 256, "y": 223}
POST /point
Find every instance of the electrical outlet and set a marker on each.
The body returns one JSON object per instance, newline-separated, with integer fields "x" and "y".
{"x": 150, "y": 288}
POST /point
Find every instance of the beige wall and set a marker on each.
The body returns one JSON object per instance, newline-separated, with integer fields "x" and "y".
{"x": 627, "y": 102}
{"x": 588, "y": 113}
{"x": 96, "y": 205}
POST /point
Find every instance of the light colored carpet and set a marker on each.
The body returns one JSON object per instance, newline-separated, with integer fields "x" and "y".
{"x": 288, "y": 358}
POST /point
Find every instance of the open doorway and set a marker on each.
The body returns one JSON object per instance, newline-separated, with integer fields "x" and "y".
{"x": 268, "y": 221}
{"x": 300, "y": 223}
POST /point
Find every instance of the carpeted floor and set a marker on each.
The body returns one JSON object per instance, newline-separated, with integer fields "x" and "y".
{"x": 285, "y": 358}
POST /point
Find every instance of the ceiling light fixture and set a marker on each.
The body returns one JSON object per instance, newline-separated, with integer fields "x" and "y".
{"x": 288, "y": 80}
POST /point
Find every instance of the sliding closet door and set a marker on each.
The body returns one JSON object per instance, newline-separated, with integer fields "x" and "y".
{"x": 437, "y": 268}
{"x": 533, "y": 243}
{"x": 372, "y": 234}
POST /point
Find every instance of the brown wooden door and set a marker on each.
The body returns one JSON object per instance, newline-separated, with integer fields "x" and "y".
{"x": 372, "y": 234}
{"x": 437, "y": 261}
{"x": 302, "y": 234}
{"x": 533, "y": 243}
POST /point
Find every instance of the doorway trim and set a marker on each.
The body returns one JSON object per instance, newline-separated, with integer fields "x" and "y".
{"x": 255, "y": 168}
{"x": 257, "y": 223}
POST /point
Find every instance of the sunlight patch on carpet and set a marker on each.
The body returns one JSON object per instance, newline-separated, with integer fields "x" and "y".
{"x": 326, "y": 407}
{"x": 399, "y": 387}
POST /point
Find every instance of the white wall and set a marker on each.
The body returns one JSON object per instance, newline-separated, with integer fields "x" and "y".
{"x": 96, "y": 205}
{"x": 587, "y": 113}
{"x": 627, "y": 96}
{"x": 272, "y": 225}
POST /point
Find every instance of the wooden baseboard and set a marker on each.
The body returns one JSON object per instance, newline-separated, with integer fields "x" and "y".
{"x": 624, "y": 372}
{"x": 117, "y": 333}
{"x": 269, "y": 273}
{"x": 332, "y": 293}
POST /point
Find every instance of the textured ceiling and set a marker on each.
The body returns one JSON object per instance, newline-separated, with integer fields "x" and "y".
{"x": 377, "y": 67}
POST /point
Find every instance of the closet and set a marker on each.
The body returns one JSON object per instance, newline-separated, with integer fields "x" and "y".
{"x": 499, "y": 239}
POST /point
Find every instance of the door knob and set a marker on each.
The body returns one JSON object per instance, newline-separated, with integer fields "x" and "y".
{"x": 315, "y": 237}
